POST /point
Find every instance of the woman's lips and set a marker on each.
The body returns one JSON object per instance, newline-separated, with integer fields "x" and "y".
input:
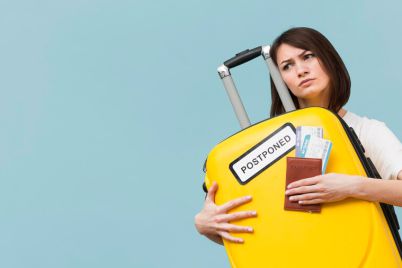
{"x": 306, "y": 82}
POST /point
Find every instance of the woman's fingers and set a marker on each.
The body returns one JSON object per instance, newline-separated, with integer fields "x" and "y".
{"x": 214, "y": 219}
{"x": 236, "y": 216}
{"x": 305, "y": 197}
{"x": 303, "y": 190}
{"x": 304, "y": 182}
{"x": 228, "y": 227}
{"x": 234, "y": 203}
{"x": 212, "y": 191}
{"x": 312, "y": 201}
{"x": 228, "y": 237}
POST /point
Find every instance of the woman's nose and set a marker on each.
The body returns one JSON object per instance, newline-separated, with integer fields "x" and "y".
{"x": 301, "y": 69}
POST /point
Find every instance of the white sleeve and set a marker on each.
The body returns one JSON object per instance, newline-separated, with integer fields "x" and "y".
{"x": 383, "y": 148}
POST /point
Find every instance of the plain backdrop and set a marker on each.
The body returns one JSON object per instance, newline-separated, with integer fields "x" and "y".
{"x": 108, "y": 110}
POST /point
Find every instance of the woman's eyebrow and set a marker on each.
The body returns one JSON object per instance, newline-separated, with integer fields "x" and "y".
{"x": 300, "y": 55}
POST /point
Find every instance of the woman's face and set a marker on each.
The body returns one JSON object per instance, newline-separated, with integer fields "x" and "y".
{"x": 303, "y": 74}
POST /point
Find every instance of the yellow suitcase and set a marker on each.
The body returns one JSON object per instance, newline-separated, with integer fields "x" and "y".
{"x": 349, "y": 233}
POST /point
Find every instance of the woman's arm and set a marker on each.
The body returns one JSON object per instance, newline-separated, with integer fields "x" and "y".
{"x": 335, "y": 187}
{"x": 214, "y": 221}
{"x": 385, "y": 191}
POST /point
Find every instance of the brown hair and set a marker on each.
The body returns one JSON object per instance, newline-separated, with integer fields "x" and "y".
{"x": 314, "y": 41}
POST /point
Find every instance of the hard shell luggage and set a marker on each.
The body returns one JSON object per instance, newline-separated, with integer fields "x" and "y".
{"x": 349, "y": 233}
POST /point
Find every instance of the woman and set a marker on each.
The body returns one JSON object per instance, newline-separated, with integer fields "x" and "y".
{"x": 316, "y": 76}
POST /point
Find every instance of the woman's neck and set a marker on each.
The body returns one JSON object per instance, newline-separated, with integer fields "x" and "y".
{"x": 342, "y": 112}
{"x": 319, "y": 103}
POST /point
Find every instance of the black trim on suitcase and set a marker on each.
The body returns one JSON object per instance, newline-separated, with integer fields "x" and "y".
{"x": 387, "y": 209}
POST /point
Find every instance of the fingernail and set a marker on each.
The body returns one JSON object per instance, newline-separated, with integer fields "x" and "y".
{"x": 289, "y": 186}
{"x": 254, "y": 213}
{"x": 249, "y": 229}
{"x": 287, "y": 192}
{"x": 249, "y": 197}
{"x": 301, "y": 202}
{"x": 291, "y": 198}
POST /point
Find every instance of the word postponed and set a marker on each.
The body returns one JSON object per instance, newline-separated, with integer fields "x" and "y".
{"x": 264, "y": 154}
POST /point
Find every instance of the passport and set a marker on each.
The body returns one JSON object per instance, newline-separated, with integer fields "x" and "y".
{"x": 298, "y": 168}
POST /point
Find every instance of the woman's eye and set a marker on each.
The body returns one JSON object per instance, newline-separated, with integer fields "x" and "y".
{"x": 286, "y": 67}
{"x": 309, "y": 56}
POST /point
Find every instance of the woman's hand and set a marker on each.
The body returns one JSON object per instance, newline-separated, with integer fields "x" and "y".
{"x": 325, "y": 188}
{"x": 214, "y": 221}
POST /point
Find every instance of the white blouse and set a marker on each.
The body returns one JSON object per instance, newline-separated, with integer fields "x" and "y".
{"x": 381, "y": 145}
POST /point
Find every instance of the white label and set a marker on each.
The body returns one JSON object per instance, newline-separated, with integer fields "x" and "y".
{"x": 264, "y": 154}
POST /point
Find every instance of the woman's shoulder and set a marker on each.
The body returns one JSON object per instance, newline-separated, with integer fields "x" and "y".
{"x": 353, "y": 119}
{"x": 380, "y": 143}
{"x": 364, "y": 125}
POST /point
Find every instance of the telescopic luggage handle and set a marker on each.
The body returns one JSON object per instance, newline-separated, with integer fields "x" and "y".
{"x": 243, "y": 57}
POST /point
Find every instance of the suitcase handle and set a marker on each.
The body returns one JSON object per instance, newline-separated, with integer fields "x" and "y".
{"x": 243, "y": 57}
{"x": 231, "y": 89}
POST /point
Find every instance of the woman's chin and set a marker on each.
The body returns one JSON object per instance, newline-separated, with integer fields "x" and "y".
{"x": 309, "y": 93}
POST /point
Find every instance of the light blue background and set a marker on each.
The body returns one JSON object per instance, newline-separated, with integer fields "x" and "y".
{"x": 109, "y": 108}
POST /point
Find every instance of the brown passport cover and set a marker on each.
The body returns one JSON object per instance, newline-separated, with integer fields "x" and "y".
{"x": 298, "y": 168}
